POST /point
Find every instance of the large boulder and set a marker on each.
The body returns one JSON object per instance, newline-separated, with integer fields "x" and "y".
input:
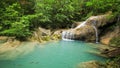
{"x": 40, "y": 34}
{"x": 88, "y": 30}
{"x": 84, "y": 33}
{"x": 100, "y": 20}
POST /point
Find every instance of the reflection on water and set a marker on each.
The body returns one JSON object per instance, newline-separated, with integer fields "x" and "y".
{"x": 61, "y": 54}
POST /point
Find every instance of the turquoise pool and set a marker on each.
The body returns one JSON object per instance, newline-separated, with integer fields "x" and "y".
{"x": 60, "y": 54}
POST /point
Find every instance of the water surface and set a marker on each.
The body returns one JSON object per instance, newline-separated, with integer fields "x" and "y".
{"x": 61, "y": 54}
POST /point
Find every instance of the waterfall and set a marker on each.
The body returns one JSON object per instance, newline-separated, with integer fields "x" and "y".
{"x": 67, "y": 35}
{"x": 82, "y": 24}
{"x": 96, "y": 31}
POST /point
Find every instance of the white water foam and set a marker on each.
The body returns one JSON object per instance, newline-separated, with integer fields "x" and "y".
{"x": 67, "y": 36}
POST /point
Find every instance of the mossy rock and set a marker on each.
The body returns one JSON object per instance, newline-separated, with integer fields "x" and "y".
{"x": 46, "y": 38}
{"x": 55, "y": 37}
{"x": 115, "y": 41}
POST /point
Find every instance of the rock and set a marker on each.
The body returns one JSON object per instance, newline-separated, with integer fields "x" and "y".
{"x": 106, "y": 51}
{"x": 75, "y": 24}
{"x": 112, "y": 53}
{"x": 3, "y": 37}
{"x": 84, "y": 33}
{"x": 88, "y": 30}
{"x": 101, "y": 20}
{"x": 14, "y": 49}
{"x": 90, "y": 64}
{"x": 6, "y": 38}
{"x": 44, "y": 32}
{"x": 56, "y": 32}
{"x": 105, "y": 39}
{"x": 40, "y": 35}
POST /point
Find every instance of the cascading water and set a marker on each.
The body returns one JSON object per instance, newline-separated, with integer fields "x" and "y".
{"x": 63, "y": 34}
{"x": 96, "y": 31}
{"x": 67, "y": 35}
{"x": 83, "y": 24}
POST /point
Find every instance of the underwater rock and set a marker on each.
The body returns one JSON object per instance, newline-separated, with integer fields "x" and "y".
{"x": 14, "y": 49}
{"x": 90, "y": 64}
{"x": 112, "y": 53}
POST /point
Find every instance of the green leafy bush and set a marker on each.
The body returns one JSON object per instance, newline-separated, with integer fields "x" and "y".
{"x": 13, "y": 23}
{"x": 19, "y": 18}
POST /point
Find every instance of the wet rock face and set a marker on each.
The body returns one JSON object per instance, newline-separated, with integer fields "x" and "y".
{"x": 86, "y": 31}
{"x": 90, "y": 64}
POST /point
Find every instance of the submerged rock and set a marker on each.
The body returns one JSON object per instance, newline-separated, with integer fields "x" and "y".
{"x": 106, "y": 51}
{"x": 90, "y": 64}
{"x": 112, "y": 53}
{"x": 14, "y": 49}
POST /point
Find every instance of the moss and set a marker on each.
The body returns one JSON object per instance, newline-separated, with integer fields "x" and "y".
{"x": 56, "y": 37}
{"x": 46, "y": 38}
{"x": 115, "y": 41}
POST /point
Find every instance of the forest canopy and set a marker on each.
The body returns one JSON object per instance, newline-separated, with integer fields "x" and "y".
{"x": 20, "y": 17}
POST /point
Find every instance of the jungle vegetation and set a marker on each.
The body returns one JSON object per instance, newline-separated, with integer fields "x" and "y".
{"x": 20, "y": 17}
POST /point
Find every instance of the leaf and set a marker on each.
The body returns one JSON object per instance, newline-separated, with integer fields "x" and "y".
{"x": 89, "y": 4}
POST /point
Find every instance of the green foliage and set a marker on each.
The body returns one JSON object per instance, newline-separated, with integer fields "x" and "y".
{"x": 13, "y": 23}
{"x": 19, "y": 18}
{"x": 115, "y": 41}
{"x": 18, "y": 28}
{"x": 54, "y": 11}
{"x": 59, "y": 11}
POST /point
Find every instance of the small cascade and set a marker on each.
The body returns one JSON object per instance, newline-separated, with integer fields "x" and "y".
{"x": 82, "y": 24}
{"x": 96, "y": 31}
{"x": 67, "y": 35}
